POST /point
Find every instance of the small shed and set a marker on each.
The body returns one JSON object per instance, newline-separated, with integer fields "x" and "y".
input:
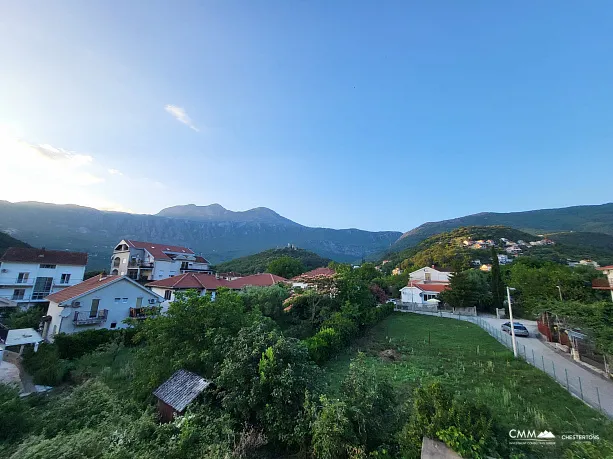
{"x": 177, "y": 392}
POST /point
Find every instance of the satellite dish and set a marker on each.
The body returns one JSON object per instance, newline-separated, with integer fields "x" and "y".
{"x": 66, "y": 312}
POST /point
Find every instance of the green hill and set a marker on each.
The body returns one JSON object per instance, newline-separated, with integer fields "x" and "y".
{"x": 577, "y": 246}
{"x": 7, "y": 241}
{"x": 596, "y": 219}
{"x": 446, "y": 250}
{"x": 258, "y": 262}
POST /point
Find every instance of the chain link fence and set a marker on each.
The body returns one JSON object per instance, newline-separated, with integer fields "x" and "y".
{"x": 592, "y": 389}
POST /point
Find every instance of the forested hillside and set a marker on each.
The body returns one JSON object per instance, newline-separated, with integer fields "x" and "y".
{"x": 259, "y": 262}
{"x": 7, "y": 241}
{"x": 597, "y": 219}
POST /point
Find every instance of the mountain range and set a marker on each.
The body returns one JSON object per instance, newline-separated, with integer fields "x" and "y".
{"x": 221, "y": 234}
{"x": 217, "y": 233}
{"x": 595, "y": 219}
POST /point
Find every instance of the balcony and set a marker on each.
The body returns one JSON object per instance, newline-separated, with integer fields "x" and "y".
{"x": 140, "y": 264}
{"x": 17, "y": 281}
{"x": 90, "y": 317}
{"x": 142, "y": 313}
{"x": 14, "y": 297}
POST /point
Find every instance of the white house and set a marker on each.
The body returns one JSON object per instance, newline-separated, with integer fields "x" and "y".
{"x": 152, "y": 261}
{"x": 103, "y": 301}
{"x": 430, "y": 275}
{"x": 28, "y": 275}
{"x": 503, "y": 259}
{"x": 420, "y": 293}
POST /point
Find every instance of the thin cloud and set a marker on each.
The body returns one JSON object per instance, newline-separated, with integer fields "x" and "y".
{"x": 181, "y": 115}
{"x": 115, "y": 172}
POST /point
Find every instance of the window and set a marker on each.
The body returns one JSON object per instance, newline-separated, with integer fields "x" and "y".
{"x": 167, "y": 294}
{"x": 22, "y": 278}
{"x": 65, "y": 279}
{"x": 42, "y": 287}
{"x": 184, "y": 265}
{"x": 19, "y": 293}
{"x": 113, "y": 325}
{"x": 117, "y": 300}
{"x": 94, "y": 310}
{"x": 124, "y": 300}
{"x": 139, "y": 301}
{"x": 47, "y": 266}
{"x": 172, "y": 273}
{"x": 428, "y": 276}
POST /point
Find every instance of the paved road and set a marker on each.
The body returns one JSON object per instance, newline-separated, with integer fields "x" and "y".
{"x": 593, "y": 388}
{"x": 580, "y": 379}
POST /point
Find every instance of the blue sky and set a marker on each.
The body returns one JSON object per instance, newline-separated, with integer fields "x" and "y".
{"x": 376, "y": 115}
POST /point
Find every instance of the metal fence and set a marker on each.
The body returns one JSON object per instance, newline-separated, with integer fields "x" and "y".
{"x": 593, "y": 390}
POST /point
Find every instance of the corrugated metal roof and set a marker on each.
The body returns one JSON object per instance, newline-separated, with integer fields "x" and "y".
{"x": 181, "y": 389}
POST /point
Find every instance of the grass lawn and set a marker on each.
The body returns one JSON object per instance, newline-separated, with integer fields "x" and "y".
{"x": 464, "y": 358}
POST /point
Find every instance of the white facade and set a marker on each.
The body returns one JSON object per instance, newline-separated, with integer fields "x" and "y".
{"x": 503, "y": 259}
{"x": 412, "y": 294}
{"x": 29, "y": 283}
{"x": 169, "y": 295}
{"x": 429, "y": 275}
{"x": 106, "y": 307}
{"x": 154, "y": 261}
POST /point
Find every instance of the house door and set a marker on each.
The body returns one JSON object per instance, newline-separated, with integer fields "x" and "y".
{"x": 94, "y": 310}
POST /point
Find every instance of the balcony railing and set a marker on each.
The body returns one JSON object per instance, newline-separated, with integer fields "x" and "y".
{"x": 140, "y": 264}
{"x": 90, "y": 317}
{"x": 16, "y": 281}
{"x": 141, "y": 313}
{"x": 14, "y": 297}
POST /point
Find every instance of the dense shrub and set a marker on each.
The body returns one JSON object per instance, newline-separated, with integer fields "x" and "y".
{"x": 16, "y": 416}
{"x": 338, "y": 331}
{"x": 464, "y": 426}
{"x": 45, "y": 366}
{"x": 78, "y": 344}
{"x": 25, "y": 318}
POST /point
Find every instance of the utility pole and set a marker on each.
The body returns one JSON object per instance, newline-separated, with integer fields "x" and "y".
{"x": 560, "y": 290}
{"x": 512, "y": 324}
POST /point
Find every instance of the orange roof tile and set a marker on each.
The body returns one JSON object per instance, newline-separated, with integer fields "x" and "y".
{"x": 80, "y": 289}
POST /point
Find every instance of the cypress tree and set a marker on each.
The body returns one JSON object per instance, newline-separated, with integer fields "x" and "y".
{"x": 497, "y": 283}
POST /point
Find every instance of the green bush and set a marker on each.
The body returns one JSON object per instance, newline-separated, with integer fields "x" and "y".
{"x": 78, "y": 344}
{"x": 16, "y": 415}
{"x": 45, "y": 366}
{"x": 338, "y": 331}
{"x": 466, "y": 427}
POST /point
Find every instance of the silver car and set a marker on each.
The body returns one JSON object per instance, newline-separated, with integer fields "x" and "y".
{"x": 520, "y": 329}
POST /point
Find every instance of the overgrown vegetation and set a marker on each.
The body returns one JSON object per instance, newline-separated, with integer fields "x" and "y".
{"x": 454, "y": 382}
{"x": 263, "y": 401}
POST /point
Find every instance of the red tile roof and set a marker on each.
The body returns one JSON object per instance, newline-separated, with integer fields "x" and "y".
{"x": 316, "y": 272}
{"x": 80, "y": 289}
{"x": 201, "y": 281}
{"x": 602, "y": 268}
{"x": 55, "y": 257}
{"x": 200, "y": 259}
{"x": 157, "y": 250}
{"x": 191, "y": 280}
{"x": 258, "y": 280}
{"x": 433, "y": 287}
{"x": 601, "y": 284}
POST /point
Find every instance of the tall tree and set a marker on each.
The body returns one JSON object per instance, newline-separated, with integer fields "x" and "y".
{"x": 287, "y": 267}
{"x": 497, "y": 282}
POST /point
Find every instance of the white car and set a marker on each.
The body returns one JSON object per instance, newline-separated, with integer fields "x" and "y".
{"x": 520, "y": 329}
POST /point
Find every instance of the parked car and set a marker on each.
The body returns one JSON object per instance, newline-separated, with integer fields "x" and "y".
{"x": 520, "y": 329}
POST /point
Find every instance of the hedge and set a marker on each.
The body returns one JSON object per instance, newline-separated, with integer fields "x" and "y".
{"x": 338, "y": 331}
{"x": 78, "y": 344}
